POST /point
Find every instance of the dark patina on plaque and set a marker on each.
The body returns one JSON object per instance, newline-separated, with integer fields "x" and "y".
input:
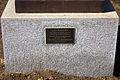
{"x": 60, "y": 35}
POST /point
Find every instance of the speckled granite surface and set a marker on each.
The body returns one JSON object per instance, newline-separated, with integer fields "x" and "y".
{"x": 92, "y": 54}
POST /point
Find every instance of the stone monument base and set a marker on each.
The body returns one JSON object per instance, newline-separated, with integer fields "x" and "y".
{"x": 91, "y": 55}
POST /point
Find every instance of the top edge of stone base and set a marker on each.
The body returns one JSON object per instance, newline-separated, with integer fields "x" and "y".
{"x": 9, "y": 12}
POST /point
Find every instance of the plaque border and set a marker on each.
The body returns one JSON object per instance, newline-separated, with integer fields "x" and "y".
{"x": 57, "y": 27}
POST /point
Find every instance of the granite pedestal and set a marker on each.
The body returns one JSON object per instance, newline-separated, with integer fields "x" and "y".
{"x": 92, "y": 55}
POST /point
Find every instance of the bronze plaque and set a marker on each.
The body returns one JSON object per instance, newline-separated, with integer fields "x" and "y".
{"x": 60, "y": 35}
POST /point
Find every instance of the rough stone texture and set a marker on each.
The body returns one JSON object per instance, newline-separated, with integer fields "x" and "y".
{"x": 92, "y": 54}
